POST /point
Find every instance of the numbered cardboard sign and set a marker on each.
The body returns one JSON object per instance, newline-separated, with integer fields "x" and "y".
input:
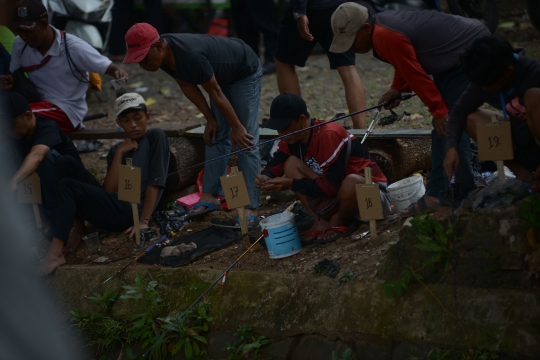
{"x": 495, "y": 141}
{"x": 369, "y": 201}
{"x": 129, "y": 184}
{"x": 235, "y": 190}
{"x": 29, "y": 190}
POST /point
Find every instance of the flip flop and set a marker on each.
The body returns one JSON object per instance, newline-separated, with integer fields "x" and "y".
{"x": 342, "y": 231}
{"x": 209, "y": 208}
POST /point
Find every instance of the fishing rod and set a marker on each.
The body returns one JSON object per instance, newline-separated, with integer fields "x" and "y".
{"x": 116, "y": 274}
{"x": 222, "y": 277}
{"x": 403, "y": 98}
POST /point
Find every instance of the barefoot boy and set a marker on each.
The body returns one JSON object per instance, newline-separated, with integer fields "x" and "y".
{"x": 80, "y": 197}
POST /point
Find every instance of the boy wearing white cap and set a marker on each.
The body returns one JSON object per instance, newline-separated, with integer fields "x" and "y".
{"x": 80, "y": 197}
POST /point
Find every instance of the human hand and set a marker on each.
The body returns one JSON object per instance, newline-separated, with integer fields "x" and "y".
{"x": 120, "y": 73}
{"x": 143, "y": 224}
{"x": 440, "y": 125}
{"x": 6, "y": 82}
{"x": 128, "y": 145}
{"x": 390, "y": 99}
{"x": 278, "y": 184}
{"x": 260, "y": 180}
{"x": 451, "y": 162}
{"x": 210, "y": 132}
{"x": 303, "y": 28}
{"x": 240, "y": 137}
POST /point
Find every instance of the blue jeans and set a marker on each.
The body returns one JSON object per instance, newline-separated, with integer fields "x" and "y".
{"x": 244, "y": 97}
{"x": 451, "y": 85}
{"x": 49, "y": 181}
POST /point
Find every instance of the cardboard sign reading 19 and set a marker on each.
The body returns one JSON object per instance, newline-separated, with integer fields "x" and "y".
{"x": 29, "y": 192}
{"x": 129, "y": 189}
{"x": 495, "y": 143}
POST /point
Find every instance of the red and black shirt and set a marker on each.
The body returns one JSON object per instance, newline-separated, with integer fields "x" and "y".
{"x": 325, "y": 154}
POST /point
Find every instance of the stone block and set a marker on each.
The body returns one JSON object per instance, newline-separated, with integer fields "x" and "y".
{"x": 278, "y": 349}
{"x": 217, "y": 342}
{"x": 370, "y": 352}
{"x": 405, "y": 350}
{"x": 316, "y": 347}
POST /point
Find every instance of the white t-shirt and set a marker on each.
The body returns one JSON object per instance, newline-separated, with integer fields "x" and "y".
{"x": 55, "y": 81}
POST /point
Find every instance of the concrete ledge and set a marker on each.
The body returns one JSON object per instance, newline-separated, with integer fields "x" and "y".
{"x": 282, "y": 306}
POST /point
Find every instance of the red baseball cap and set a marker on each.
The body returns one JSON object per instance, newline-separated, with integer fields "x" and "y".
{"x": 139, "y": 39}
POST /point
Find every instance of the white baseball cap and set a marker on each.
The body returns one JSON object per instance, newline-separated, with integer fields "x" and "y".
{"x": 129, "y": 101}
{"x": 346, "y": 21}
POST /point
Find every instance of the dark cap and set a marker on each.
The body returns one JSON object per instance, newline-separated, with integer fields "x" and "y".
{"x": 284, "y": 109}
{"x": 11, "y": 106}
{"x": 28, "y": 13}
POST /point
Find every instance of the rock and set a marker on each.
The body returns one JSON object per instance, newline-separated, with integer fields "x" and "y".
{"x": 405, "y": 351}
{"x": 316, "y": 347}
{"x": 279, "y": 349}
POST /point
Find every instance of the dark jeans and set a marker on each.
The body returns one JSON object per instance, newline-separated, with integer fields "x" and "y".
{"x": 121, "y": 22}
{"x": 79, "y": 195}
{"x": 451, "y": 85}
{"x": 47, "y": 175}
{"x": 252, "y": 17}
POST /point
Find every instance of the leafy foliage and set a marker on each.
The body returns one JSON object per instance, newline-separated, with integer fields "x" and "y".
{"x": 247, "y": 342}
{"x": 530, "y": 211}
{"x": 146, "y": 327}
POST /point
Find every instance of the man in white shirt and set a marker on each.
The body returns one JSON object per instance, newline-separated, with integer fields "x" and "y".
{"x": 59, "y": 71}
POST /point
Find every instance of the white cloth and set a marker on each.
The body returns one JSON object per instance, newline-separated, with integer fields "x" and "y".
{"x": 55, "y": 81}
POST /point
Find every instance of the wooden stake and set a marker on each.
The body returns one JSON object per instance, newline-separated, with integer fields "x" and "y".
{"x": 500, "y": 163}
{"x": 372, "y": 223}
{"x": 242, "y": 216}
{"x": 135, "y": 212}
{"x": 37, "y": 216}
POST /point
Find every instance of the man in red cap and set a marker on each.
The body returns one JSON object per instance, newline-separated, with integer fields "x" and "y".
{"x": 230, "y": 72}
{"x": 56, "y": 63}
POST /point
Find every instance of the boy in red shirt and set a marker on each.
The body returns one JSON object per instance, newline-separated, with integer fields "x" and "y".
{"x": 321, "y": 165}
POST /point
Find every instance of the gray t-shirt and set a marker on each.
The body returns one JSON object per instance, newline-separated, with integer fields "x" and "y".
{"x": 198, "y": 57}
{"x": 152, "y": 157}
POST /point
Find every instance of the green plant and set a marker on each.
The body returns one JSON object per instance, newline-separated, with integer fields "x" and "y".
{"x": 146, "y": 328}
{"x": 433, "y": 237}
{"x": 346, "y": 355}
{"x": 247, "y": 341}
{"x": 530, "y": 211}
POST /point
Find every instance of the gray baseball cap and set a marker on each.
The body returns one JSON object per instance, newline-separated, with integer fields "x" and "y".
{"x": 346, "y": 21}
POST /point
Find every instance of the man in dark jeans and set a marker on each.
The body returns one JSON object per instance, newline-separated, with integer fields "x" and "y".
{"x": 306, "y": 23}
{"x": 417, "y": 44}
{"x": 252, "y": 18}
{"x": 39, "y": 142}
{"x": 80, "y": 197}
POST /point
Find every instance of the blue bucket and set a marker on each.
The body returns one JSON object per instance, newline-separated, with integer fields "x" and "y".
{"x": 281, "y": 235}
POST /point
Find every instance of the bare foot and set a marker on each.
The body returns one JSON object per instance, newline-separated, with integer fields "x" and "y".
{"x": 317, "y": 227}
{"x": 208, "y": 198}
{"x": 53, "y": 259}
{"x": 79, "y": 231}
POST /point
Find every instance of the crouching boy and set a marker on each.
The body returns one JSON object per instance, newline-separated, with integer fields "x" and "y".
{"x": 80, "y": 197}
{"x": 321, "y": 165}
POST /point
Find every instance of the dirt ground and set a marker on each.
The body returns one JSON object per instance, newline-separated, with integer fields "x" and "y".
{"x": 324, "y": 94}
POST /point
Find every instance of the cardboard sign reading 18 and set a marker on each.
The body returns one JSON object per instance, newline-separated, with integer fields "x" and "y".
{"x": 234, "y": 187}
{"x": 129, "y": 184}
{"x": 369, "y": 201}
{"x": 29, "y": 190}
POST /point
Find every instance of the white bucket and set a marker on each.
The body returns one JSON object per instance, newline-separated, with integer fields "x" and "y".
{"x": 406, "y": 192}
{"x": 281, "y": 235}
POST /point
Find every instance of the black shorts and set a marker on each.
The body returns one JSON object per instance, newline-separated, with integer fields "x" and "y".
{"x": 292, "y": 49}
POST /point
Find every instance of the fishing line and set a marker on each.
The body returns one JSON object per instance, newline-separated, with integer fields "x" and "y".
{"x": 403, "y": 98}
